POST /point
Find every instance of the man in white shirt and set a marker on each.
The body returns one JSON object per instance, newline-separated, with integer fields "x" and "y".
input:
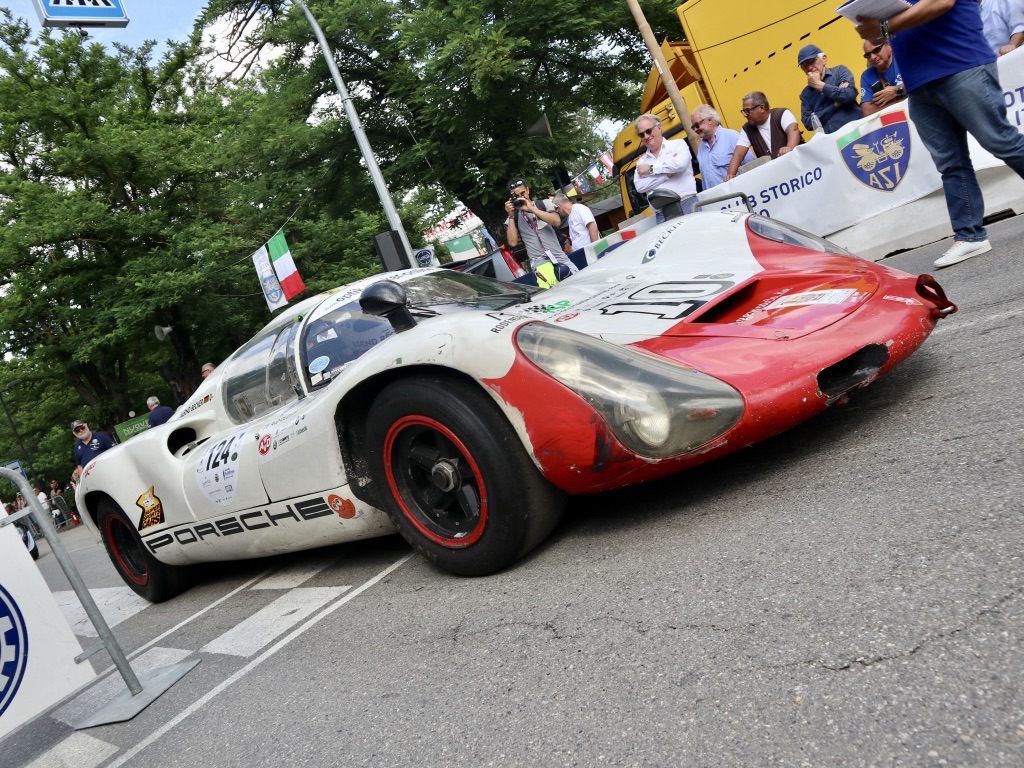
{"x": 582, "y": 225}
{"x": 768, "y": 132}
{"x": 1003, "y": 22}
{"x": 667, "y": 163}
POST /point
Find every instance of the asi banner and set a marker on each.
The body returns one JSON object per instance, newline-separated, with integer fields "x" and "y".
{"x": 838, "y": 180}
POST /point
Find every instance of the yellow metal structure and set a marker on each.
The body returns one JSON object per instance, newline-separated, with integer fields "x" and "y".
{"x": 733, "y": 47}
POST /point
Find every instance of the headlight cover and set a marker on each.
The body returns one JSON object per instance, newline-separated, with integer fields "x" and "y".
{"x": 780, "y": 232}
{"x": 655, "y": 408}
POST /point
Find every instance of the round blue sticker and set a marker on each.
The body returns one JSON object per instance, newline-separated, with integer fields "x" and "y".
{"x": 13, "y": 649}
{"x": 319, "y": 364}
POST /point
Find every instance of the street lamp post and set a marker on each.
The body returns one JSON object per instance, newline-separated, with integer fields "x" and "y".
{"x": 14, "y": 430}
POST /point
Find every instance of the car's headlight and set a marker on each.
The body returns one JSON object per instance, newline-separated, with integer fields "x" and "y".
{"x": 780, "y": 232}
{"x": 655, "y": 408}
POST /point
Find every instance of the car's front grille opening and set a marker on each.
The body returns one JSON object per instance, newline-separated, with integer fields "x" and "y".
{"x": 853, "y": 371}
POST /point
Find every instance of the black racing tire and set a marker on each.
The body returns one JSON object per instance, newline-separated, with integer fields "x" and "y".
{"x": 455, "y": 478}
{"x": 147, "y": 576}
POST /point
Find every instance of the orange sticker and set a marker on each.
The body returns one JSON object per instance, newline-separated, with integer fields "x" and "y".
{"x": 344, "y": 507}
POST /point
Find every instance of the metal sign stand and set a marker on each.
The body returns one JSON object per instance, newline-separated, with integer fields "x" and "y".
{"x": 141, "y": 692}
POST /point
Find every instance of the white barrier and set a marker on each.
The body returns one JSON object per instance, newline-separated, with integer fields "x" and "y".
{"x": 871, "y": 186}
{"x": 37, "y": 647}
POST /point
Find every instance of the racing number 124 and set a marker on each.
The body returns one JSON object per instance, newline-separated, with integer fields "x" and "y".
{"x": 220, "y": 453}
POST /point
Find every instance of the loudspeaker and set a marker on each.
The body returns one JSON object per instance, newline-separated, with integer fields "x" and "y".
{"x": 541, "y": 128}
{"x": 392, "y": 255}
{"x": 162, "y": 331}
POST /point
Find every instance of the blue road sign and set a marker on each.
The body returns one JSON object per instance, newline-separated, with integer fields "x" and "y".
{"x": 81, "y": 13}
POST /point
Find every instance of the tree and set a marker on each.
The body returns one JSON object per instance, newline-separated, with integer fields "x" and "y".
{"x": 447, "y": 88}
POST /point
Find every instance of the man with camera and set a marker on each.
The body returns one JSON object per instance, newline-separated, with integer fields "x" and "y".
{"x": 534, "y": 224}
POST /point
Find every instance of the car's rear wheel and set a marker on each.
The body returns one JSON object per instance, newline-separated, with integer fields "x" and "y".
{"x": 455, "y": 477}
{"x": 150, "y": 578}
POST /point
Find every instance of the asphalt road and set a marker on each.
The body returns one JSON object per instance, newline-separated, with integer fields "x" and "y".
{"x": 847, "y": 594}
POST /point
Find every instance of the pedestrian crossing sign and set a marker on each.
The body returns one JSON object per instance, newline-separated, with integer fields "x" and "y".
{"x": 81, "y": 13}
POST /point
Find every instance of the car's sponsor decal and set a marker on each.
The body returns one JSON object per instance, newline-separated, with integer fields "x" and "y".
{"x": 904, "y": 300}
{"x": 196, "y": 404}
{"x": 827, "y": 296}
{"x": 217, "y": 468}
{"x": 152, "y": 509}
{"x": 319, "y": 364}
{"x": 272, "y": 517}
{"x": 265, "y": 442}
{"x": 670, "y": 300}
{"x": 344, "y": 508}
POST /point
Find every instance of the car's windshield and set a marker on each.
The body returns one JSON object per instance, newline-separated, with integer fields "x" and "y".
{"x": 337, "y": 338}
{"x": 447, "y": 291}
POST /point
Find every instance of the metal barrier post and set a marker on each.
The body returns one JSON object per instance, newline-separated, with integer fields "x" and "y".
{"x": 121, "y": 707}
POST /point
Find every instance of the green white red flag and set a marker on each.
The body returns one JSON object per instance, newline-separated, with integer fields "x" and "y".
{"x": 278, "y": 275}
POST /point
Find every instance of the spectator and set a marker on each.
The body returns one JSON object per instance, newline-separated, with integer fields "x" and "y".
{"x": 881, "y": 84}
{"x": 716, "y": 146}
{"x": 1003, "y": 24}
{"x": 768, "y": 132}
{"x": 535, "y": 225}
{"x": 950, "y": 73}
{"x": 208, "y": 369}
{"x": 158, "y": 414}
{"x": 582, "y": 226}
{"x": 830, "y": 96}
{"x": 667, "y": 163}
{"x": 90, "y": 445}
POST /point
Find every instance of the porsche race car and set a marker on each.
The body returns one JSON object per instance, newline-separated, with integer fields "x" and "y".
{"x": 461, "y": 411}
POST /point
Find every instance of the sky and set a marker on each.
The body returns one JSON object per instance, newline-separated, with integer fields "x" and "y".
{"x": 159, "y": 20}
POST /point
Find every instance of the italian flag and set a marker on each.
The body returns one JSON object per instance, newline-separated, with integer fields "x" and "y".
{"x": 284, "y": 266}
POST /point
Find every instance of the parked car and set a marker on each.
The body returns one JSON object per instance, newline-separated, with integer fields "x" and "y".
{"x": 461, "y": 411}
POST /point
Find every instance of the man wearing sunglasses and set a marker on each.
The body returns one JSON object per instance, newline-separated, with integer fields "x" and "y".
{"x": 881, "y": 84}
{"x": 90, "y": 445}
{"x": 768, "y": 132}
{"x": 951, "y": 76}
{"x": 667, "y": 163}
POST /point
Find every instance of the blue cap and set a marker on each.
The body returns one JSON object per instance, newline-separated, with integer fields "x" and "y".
{"x": 807, "y": 53}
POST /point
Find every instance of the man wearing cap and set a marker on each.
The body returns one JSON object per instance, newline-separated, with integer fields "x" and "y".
{"x": 881, "y": 84}
{"x": 89, "y": 446}
{"x": 158, "y": 414}
{"x": 951, "y": 76}
{"x": 534, "y": 225}
{"x": 830, "y": 96}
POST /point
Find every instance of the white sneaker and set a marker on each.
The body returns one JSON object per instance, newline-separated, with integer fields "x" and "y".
{"x": 961, "y": 251}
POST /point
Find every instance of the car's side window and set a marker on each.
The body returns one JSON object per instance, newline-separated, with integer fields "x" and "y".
{"x": 247, "y": 388}
{"x": 281, "y": 381}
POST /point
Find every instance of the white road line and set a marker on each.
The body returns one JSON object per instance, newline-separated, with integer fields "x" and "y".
{"x": 199, "y": 704}
{"x": 296, "y": 574}
{"x": 79, "y": 750}
{"x": 272, "y": 621}
{"x": 117, "y": 604}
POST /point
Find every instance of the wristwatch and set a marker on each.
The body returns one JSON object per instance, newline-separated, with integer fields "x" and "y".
{"x": 900, "y": 91}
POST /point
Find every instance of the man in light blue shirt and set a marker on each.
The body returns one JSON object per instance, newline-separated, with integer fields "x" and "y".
{"x": 1003, "y": 21}
{"x": 716, "y": 145}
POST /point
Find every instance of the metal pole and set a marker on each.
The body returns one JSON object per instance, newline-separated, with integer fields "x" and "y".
{"x": 77, "y": 583}
{"x": 17, "y": 435}
{"x": 357, "y": 129}
{"x": 665, "y": 71}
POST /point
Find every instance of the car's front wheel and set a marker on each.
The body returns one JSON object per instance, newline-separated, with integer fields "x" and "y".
{"x": 455, "y": 477}
{"x": 150, "y": 578}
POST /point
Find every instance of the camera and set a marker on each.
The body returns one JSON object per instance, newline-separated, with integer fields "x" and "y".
{"x": 517, "y": 202}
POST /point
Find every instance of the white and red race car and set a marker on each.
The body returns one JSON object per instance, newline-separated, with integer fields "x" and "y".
{"x": 461, "y": 411}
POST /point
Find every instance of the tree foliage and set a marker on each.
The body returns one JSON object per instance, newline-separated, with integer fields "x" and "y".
{"x": 447, "y": 88}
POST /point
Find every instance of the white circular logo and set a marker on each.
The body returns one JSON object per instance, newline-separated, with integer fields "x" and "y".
{"x": 13, "y": 649}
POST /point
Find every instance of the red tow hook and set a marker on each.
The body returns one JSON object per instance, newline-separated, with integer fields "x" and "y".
{"x": 928, "y": 288}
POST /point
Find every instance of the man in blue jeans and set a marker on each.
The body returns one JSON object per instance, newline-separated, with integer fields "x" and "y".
{"x": 950, "y": 73}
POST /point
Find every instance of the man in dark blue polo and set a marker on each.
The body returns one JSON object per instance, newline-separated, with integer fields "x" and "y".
{"x": 158, "y": 414}
{"x": 90, "y": 445}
